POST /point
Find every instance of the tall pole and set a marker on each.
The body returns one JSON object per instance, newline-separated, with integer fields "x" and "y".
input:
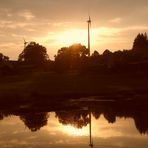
{"x": 90, "y": 135}
{"x": 89, "y": 25}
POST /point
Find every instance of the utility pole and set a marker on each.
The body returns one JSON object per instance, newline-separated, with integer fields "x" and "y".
{"x": 89, "y": 25}
{"x": 90, "y": 135}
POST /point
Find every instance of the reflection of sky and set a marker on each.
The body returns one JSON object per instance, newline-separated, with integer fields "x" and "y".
{"x": 122, "y": 134}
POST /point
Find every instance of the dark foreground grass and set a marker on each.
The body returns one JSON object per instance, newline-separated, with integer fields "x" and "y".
{"x": 53, "y": 86}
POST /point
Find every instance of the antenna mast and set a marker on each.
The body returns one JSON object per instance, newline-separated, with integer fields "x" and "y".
{"x": 90, "y": 135}
{"x": 89, "y": 25}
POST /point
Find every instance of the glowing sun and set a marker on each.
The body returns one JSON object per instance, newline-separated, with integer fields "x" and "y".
{"x": 72, "y": 36}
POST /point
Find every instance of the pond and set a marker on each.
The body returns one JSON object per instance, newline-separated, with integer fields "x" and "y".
{"x": 80, "y": 124}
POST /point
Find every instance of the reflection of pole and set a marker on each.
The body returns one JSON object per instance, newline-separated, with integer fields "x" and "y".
{"x": 89, "y": 24}
{"x": 91, "y": 142}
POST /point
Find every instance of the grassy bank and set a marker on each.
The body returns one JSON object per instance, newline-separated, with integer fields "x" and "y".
{"x": 43, "y": 85}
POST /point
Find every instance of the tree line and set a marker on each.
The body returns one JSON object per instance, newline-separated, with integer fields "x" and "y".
{"x": 76, "y": 58}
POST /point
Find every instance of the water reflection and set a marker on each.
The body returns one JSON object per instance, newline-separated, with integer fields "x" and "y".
{"x": 34, "y": 121}
{"x": 81, "y": 115}
{"x": 77, "y": 119}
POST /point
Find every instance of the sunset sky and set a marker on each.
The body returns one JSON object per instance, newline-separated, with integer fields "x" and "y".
{"x": 58, "y": 23}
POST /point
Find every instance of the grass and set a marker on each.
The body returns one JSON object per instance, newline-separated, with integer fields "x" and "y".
{"x": 42, "y": 85}
{"x": 70, "y": 84}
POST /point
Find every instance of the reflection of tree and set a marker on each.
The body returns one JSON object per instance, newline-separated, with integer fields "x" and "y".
{"x": 141, "y": 123}
{"x": 111, "y": 112}
{"x": 34, "y": 121}
{"x": 110, "y": 116}
{"x": 108, "y": 112}
{"x": 76, "y": 119}
{"x": 3, "y": 115}
{"x": 79, "y": 118}
{"x": 96, "y": 114}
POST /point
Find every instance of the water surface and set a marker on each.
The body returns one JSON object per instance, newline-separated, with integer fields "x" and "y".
{"x": 113, "y": 125}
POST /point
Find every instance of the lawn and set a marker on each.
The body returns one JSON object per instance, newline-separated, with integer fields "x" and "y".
{"x": 47, "y": 85}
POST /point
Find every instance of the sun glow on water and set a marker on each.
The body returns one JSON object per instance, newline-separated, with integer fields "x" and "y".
{"x": 72, "y": 131}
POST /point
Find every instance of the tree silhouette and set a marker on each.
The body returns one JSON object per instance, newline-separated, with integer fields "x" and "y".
{"x": 5, "y": 66}
{"x": 70, "y": 57}
{"x": 107, "y": 58}
{"x": 3, "y": 58}
{"x": 141, "y": 42}
{"x": 95, "y": 54}
{"x": 141, "y": 122}
{"x": 34, "y": 54}
{"x": 95, "y": 58}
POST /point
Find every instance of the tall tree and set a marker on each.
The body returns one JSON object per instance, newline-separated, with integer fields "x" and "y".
{"x": 141, "y": 42}
{"x": 69, "y": 57}
{"x": 34, "y": 54}
{"x": 3, "y": 58}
